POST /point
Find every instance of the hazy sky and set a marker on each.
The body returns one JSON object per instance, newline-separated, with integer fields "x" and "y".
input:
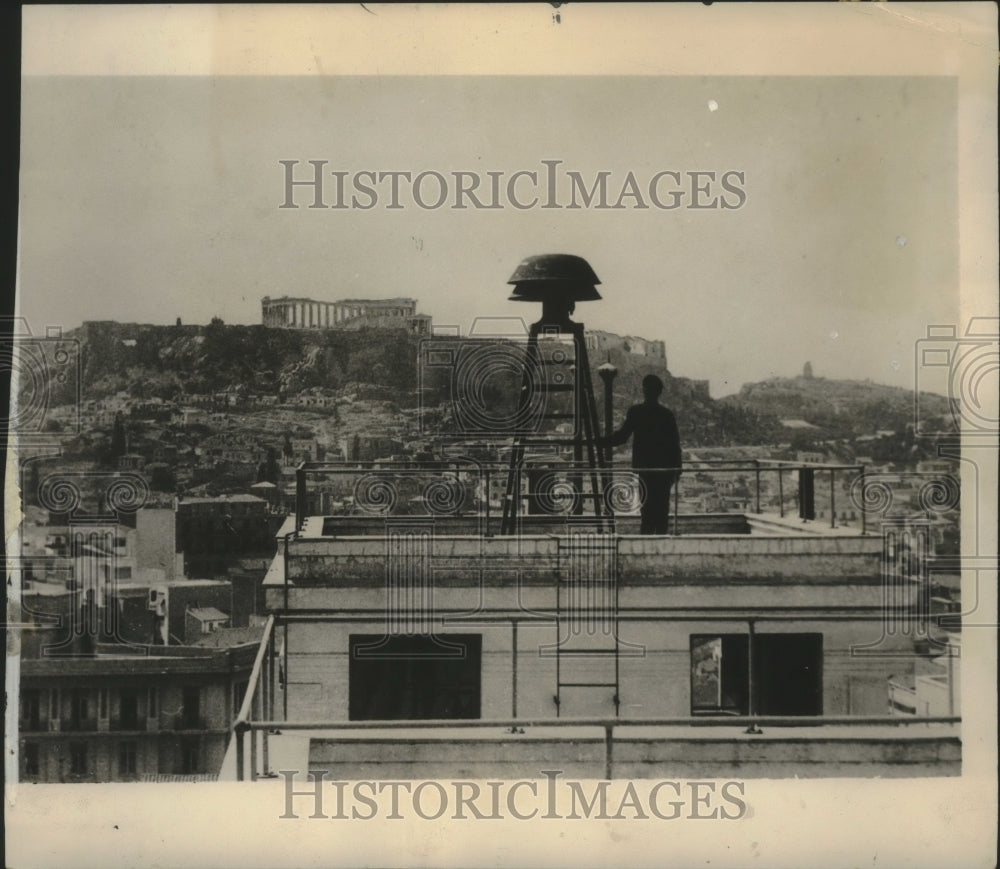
{"x": 151, "y": 198}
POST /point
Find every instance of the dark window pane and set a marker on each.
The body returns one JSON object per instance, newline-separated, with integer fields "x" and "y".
{"x": 402, "y": 678}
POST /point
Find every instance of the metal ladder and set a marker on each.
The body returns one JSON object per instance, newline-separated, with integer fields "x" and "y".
{"x": 584, "y": 414}
{"x": 587, "y": 614}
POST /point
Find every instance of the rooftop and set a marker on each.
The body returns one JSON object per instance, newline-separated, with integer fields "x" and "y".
{"x": 207, "y": 614}
{"x": 504, "y": 560}
{"x": 230, "y": 637}
{"x": 137, "y": 660}
{"x": 219, "y": 499}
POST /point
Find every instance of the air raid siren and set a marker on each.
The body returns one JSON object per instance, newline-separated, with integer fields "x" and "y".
{"x": 558, "y": 281}
{"x": 539, "y": 278}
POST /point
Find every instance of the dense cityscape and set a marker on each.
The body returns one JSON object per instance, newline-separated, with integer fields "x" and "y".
{"x": 159, "y": 480}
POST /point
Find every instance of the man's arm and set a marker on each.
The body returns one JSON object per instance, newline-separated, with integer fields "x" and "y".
{"x": 620, "y": 436}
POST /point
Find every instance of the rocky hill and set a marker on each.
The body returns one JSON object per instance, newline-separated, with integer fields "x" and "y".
{"x": 838, "y": 408}
{"x": 167, "y": 361}
{"x": 171, "y": 362}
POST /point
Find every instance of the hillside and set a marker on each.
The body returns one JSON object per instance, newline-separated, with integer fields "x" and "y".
{"x": 838, "y": 408}
{"x": 168, "y": 361}
{"x": 175, "y": 362}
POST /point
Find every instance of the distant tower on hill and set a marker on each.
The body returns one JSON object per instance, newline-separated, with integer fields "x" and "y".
{"x": 807, "y": 371}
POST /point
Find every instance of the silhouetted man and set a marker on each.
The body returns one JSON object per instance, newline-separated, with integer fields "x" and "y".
{"x": 656, "y": 446}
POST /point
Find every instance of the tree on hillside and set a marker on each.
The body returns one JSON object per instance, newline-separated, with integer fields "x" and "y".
{"x": 119, "y": 437}
{"x": 269, "y": 470}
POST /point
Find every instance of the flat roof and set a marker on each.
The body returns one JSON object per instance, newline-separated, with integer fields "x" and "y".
{"x": 207, "y": 614}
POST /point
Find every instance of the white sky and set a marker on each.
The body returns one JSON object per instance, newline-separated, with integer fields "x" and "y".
{"x": 148, "y": 198}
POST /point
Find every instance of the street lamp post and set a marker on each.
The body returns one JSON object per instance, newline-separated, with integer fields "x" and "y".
{"x": 607, "y": 373}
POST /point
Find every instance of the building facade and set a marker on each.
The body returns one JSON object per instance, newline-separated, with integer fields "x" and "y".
{"x": 127, "y": 714}
{"x": 212, "y": 532}
{"x": 598, "y": 342}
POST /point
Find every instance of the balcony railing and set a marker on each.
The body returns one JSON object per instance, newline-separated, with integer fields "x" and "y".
{"x": 127, "y": 724}
{"x": 258, "y": 703}
{"x": 467, "y": 495}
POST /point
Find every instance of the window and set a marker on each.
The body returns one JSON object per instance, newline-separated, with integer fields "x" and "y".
{"x": 153, "y": 704}
{"x": 31, "y": 762}
{"x": 788, "y": 670}
{"x": 123, "y": 573}
{"x": 190, "y": 756}
{"x": 78, "y": 758}
{"x": 787, "y": 674}
{"x": 415, "y": 677}
{"x": 127, "y": 758}
{"x": 79, "y": 708}
{"x": 102, "y": 702}
{"x": 54, "y": 704}
{"x": 30, "y": 709}
{"x": 719, "y": 674}
{"x": 191, "y": 710}
{"x": 129, "y": 714}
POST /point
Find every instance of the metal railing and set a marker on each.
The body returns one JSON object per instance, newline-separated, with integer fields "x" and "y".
{"x": 258, "y": 701}
{"x": 752, "y": 726}
{"x": 466, "y": 492}
{"x": 257, "y": 721}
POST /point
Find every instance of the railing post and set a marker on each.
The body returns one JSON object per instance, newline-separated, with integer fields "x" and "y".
{"x": 807, "y": 494}
{"x": 239, "y": 730}
{"x": 677, "y": 507}
{"x": 262, "y": 711}
{"x": 833, "y": 499}
{"x": 756, "y": 471}
{"x": 513, "y": 669}
{"x": 489, "y": 492}
{"x": 609, "y": 741}
{"x": 864, "y": 514}
{"x": 751, "y": 687}
{"x": 253, "y": 738}
{"x": 283, "y": 667}
{"x": 951, "y": 679}
{"x": 271, "y": 674}
{"x": 300, "y": 497}
{"x": 781, "y": 494}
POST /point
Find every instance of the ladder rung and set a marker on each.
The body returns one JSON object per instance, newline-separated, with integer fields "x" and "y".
{"x": 587, "y": 651}
{"x": 588, "y": 685}
{"x": 575, "y": 494}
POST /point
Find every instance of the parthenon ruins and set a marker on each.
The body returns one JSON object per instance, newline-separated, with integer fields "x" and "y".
{"x": 301, "y": 313}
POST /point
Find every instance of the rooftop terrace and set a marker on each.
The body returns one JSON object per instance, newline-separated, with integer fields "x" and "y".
{"x": 440, "y": 542}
